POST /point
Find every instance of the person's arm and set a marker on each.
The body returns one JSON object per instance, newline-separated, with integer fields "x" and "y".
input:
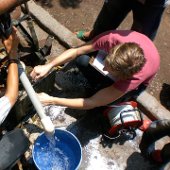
{"x": 7, "y": 101}
{"x": 11, "y": 45}
{"x": 11, "y": 93}
{"x": 101, "y": 98}
{"x": 67, "y": 56}
{"x": 7, "y": 5}
{"x": 12, "y": 83}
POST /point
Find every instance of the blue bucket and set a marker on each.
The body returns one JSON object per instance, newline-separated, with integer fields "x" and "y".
{"x": 64, "y": 153}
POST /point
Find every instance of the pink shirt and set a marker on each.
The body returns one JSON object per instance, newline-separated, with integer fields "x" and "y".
{"x": 109, "y": 39}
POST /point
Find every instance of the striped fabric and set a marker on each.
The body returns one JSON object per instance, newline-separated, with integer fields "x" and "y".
{"x": 5, "y": 107}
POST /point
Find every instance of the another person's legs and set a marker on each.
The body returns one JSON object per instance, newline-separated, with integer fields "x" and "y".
{"x": 111, "y": 15}
{"x": 165, "y": 153}
{"x": 147, "y": 18}
{"x": 157, "y": 130}
{"x": 12, "y": 145}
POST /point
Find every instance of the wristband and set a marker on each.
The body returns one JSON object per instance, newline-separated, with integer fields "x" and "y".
{"x": 13, "y": 61}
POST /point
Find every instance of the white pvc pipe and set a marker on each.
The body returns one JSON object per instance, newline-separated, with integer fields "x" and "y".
{"x": 45, "y": 120}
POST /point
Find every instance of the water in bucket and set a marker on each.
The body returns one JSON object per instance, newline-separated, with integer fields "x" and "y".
{"x": 59, "y": 152}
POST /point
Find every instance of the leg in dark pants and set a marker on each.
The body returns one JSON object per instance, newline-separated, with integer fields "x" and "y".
{"x": 157, "y": 130}
{"x": 13, "y": 145}
{"x": 146, "y": 18}
{"x": 111, "y": 15}
{"x": 95, "y": 78}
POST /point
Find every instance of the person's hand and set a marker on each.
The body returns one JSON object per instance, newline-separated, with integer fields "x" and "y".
{"x": 44, "y": 98}
{"x": 40, "y": 71}
{"x": 11, "y": 44}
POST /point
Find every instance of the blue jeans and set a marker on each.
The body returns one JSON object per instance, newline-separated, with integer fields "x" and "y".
{"x": 157, "y": 130}
{"x": 146, "y": 17}
{"x": 95, "y": 78}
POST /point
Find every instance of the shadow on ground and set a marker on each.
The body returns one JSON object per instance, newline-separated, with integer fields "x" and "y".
{"x": 46, "y": 3}
{"x": 86, "y": 128}
{"x": 70, "y": 3}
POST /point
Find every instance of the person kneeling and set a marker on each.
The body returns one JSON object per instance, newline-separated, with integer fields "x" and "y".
{"x": 131, "y": 58}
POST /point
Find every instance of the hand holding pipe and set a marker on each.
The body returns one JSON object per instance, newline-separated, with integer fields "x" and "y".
{"x": 45, "y": 120}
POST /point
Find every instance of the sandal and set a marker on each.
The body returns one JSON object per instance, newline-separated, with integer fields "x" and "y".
{"x": 80, "y": 35}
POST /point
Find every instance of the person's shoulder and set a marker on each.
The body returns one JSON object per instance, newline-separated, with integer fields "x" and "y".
{"x": 119, "y": 32}
{"x": 123, "y": 33}
{"x": 115, "y": 33}
{"x": 139, "y": 37}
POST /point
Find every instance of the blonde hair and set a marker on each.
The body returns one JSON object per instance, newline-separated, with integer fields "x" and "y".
{"x": 126, "y": 59}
